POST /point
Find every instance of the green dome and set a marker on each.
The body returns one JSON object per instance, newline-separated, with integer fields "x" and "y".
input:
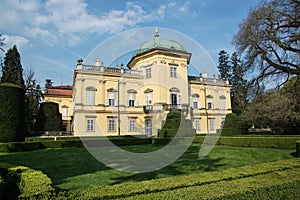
{"x": 158, "y": 43}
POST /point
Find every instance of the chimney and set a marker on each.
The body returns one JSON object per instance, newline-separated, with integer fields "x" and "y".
{"x": 204, "y": 74}
{"x": 97, "y": 63}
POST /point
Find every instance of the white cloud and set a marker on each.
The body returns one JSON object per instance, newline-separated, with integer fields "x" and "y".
{"x": 68, "y": 20}
{"x": 11, "y": 40}
{"x": 185, "y": 7}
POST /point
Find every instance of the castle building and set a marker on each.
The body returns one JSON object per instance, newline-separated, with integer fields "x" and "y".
{"x": 137, "y": 99}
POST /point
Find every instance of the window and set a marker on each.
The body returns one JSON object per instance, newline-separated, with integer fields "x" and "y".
{"x": 211, "y": 124}
{"x": 131, "y": 100}
{"x": 210, "y": 104}
{"x": 148, "y": 72}
{"x": 132, "y": 125}
{"x": 148, "y": 98}
{"x": 195, "y": 103}
{"x": 90, "y": 97}
{"x": 90, "y": 124}
{"x": 222, "y": 102}
{"x": 197, "y": 124}
{"x": 111, "y": 99}
{"x": 64, "y": 111}
{"x": 173, "y": 72}
{"x": 111, "y": 125}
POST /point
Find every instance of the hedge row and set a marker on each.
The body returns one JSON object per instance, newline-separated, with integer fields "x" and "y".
{"x": 277, "y": 185}
{"x": 46, "y": 143}
{"x": 260, "y": 142}
{"x": 173, "y": 184}
{"x": 24, "y": 183}
{"x": 298, "y": 148}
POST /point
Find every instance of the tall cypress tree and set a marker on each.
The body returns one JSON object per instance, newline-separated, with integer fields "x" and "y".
{"x": 224, "y": 67}
{"x": 238, "y": 88}
{"x": 12, "y": 71}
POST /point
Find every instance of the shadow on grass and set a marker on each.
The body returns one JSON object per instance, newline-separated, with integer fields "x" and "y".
{"x": 188, "y": 163}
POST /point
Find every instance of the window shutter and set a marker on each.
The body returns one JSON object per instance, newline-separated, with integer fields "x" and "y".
{"x": 107, "y": 102}
{"x": 116, "y": 102}
{"x": 136, "y": 103}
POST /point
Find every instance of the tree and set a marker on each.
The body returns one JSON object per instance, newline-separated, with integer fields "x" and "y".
{"x": 2, "y": 43}
{"x": 12, "y": 71}
{"x": 48, "y": 84}
{"x": 269, "y": 40}
{"x": 239, "y": 85}
{"x": 33, "y": 98}
{"x": 224, "y": 67}
{"x": 277, "y": 109}
{"x": 12, "y": 127}
{"x": 48, "y": 118}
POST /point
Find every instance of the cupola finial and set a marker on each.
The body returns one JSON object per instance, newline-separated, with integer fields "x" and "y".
{"x": 156, "y": 32}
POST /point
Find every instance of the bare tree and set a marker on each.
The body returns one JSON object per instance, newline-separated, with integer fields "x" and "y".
{"x": 268, "y": 40}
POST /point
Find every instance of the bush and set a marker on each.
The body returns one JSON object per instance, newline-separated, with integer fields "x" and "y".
{"x": 214, "y": 183}
{"x": 12, "y": 118}
{"x": 48, "y": 118}
{"x": 25, "y": 183}
{"x": 19, "y": 146}
{"x": 277, "y": 142}
{"x": 232, "y": 125}
{"x": 298, "y": 148}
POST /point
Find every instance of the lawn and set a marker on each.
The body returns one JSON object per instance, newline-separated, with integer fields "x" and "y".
{"x": 75, "y": 168}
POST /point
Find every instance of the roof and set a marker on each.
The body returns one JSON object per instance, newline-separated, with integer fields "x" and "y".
{"x": 62, "y": 90}
{"x": 158, "y": 43}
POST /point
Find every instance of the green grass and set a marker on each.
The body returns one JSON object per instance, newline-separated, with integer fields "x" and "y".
{"x": 75, "y": 168}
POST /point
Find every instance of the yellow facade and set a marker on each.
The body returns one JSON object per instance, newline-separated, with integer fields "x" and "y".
{"x": 62, "y": 95}
{"x": 135, "y": 101}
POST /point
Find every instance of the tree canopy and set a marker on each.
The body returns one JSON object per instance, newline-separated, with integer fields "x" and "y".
{"x": 268, "y": 39}
{"x": 12, "y": 71}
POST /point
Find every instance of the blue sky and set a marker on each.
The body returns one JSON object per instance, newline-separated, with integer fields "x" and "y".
{"x": 52, "y": 35}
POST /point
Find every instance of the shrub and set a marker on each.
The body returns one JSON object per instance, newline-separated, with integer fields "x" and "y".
{"x": 12, "y": 123}
{"x": 277, "y": 142}
{"x": 214, "y": 183}
{"x": 48, "y": 118}
{"x": 298, "y": 148}
{"x": 232, "y": 125}
{"x": 19, "y": 146}
{"x": 25, "y": 183}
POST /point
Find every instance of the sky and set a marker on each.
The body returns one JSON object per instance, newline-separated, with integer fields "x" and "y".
{"x": 52, "y": 35}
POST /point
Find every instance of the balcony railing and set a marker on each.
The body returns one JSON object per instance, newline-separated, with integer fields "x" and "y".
{"x": 148, "y": 108}
{"x": 112, "y": 70}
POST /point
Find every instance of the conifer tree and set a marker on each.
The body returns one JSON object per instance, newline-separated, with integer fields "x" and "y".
{"x": 12, "y": 71}
{"x": 224, "y": 67}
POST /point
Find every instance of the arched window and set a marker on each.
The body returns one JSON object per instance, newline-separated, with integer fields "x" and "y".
{"x": 196, "y": 104}
{"x": 210, "y": 104}
{"x": 222, "y": 102}
{"x": 132, "y": 98}
{"x": 90, "y": 96}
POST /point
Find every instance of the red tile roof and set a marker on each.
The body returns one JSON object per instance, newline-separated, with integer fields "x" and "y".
{"x": 64, "y": 90}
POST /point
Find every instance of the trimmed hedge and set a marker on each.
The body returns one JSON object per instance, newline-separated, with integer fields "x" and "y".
{"x": 12, "y": 109}
{"x": 231, "y": 125}
{"x": 25, "y": 183}
{"x": 223, "y": 180}
{"x": 260, "y": 142}
{"x": 298, "y": 148}
{"x": 20, "y": 146}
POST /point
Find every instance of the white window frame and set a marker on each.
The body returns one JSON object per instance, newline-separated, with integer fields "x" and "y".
{"x": 210, "y": 104}
{"x": 222, "y": 104}
{"x": 131, "y": 99}
{"x": 197, "y": 125}
{"x": 64, "y": 111}
{"x": 111, "y": 100}
{"x": 211, "y": 124}
{"x": 148, "y": 72}
{"x": 111, "y": 125}
{"x": 90, "y": 97}
{"x": 173, "y": 72}
{"x": 132, "y": 125}
{"x": 148, "y": 99}
{"x": 90, "y": 124}
{"x": 195, "y": 103}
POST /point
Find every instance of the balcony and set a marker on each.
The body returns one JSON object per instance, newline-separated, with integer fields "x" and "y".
{"x": 148, "y": 108}
{"x": 111, "y": 70}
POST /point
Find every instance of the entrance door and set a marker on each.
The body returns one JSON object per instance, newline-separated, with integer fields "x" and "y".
{"x": 148, "y": 127}
{"x": 173, "y": 99}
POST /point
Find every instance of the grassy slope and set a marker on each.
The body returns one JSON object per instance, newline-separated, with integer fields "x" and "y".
{"x": 75, "y": 168}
